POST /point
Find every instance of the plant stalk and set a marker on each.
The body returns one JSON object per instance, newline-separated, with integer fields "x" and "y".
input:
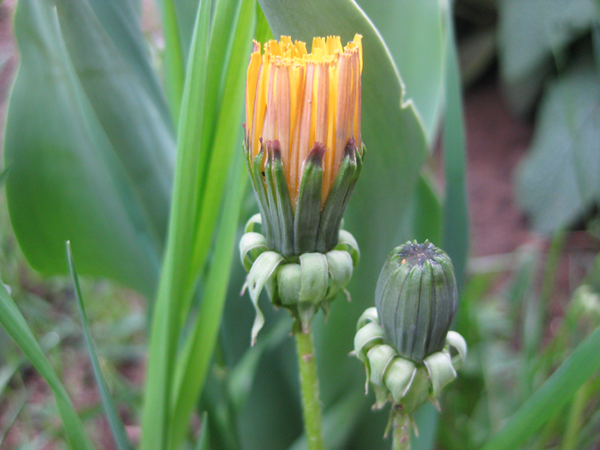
{"x": 309, "y": 386}
{"x": 402, "y": 429}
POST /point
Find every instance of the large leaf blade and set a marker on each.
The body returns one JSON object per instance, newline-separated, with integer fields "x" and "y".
{"x": 133, "y": 121}
{"x": 421, "y": 64}
{"x": 66, "y": 181}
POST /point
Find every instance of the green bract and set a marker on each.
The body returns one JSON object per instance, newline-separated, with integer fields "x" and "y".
{"x": 405, "y": 383}
{"x": 302, "y": 284}
{"x": 312, "y": 227}
{"x": 416, "y": 299}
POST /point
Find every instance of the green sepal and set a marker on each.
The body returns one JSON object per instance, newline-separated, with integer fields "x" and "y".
{"x": 262, "y": 269}
{"x": 399, "y": 377}
{"x": 441, "y": 371}
{"x": 306, "y": 313}
{"x": 285, "y": 216}
{"x": 252, "y": 244}
{"x": 315, "y": 277}
{"x": 347, "y": 243}
{"x": 382, "y": 395}
{"x": 250, "y": 227}
{"x": 380, "y": 357}
{"x": 419, "y": 391}
{"x": 340, "y": 265}
{"x": 370, "y": 315}
{"x": 289, "y": 282}
{"x": 258, "y": 184}
{"x": 333, "y": 210}
{"x": 308, "y": 209}
{"x": 274, "y": 237}
{"x": 457, "y": 342}
{"x": 366, "y": 338}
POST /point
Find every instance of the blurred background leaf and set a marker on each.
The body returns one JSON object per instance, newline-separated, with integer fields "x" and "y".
{"x": 93, "y": 166}
{"x": 560, "y": 177}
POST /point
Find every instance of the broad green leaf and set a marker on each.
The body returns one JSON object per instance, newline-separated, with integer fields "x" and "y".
{"x": 551, "y": 397}
{"x": 455, "y": 230}
{"x": 66, "y": 179}
{"x": 426, "y": 211}
{"x": 121, "y": 20}
{"x": 116, "y": 424}
{"x": 14, "y": 323}
{"x": 133, "y": 121}
{"x": 559, "y": 178}
{"x": 530, "y": 33}
{"x": 422, "y": 63}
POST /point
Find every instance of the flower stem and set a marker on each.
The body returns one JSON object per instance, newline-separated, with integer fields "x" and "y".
{"x": 402, "y": 431}
{"x": 309, "y": 385}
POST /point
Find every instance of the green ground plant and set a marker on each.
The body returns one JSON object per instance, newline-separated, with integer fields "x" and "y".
{"x": 139, "y": 166}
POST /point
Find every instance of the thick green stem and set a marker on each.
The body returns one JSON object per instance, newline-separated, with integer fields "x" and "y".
{"x": 402, "y": 431}
{"x": 309, "y": 386}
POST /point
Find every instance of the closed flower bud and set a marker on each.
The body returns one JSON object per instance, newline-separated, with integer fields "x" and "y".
{"x": 303, "y": 143}
{"x": 416, "y": 299}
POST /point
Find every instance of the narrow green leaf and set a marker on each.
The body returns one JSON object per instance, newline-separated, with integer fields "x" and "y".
{"x": 173, "y": 57}
{"x": 15, "y": 325}
{"x": 10, "y": 416}
{"x": 228, "y": 129}
{"x": 455, "y": 229}
{"x": 114, "y": 420}
{"x": 174, "y": 284}
{"x": 554, "y": 394}
{"x": 204, "y": 441}
{"x": 197, "y": 352}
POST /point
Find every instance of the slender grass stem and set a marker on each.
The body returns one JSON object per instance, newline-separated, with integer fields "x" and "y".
{"x": 309, "y": 386}
{"x": 402, "y": 429}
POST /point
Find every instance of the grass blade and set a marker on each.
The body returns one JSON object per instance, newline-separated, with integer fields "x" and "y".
{"x": 15, "y": 325}
{"x": 114, "y": 420}
{"x": 204, "y": 441}
{"x": 557, "y": 391}
{"x": 175, "y": 282}
{"x": 195, "y": 358}
{"x": 174, "y": 60}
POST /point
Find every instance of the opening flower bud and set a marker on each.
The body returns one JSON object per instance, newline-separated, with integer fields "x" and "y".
{"x": 416, "y": 299}
{"x": 303, "y": 143}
